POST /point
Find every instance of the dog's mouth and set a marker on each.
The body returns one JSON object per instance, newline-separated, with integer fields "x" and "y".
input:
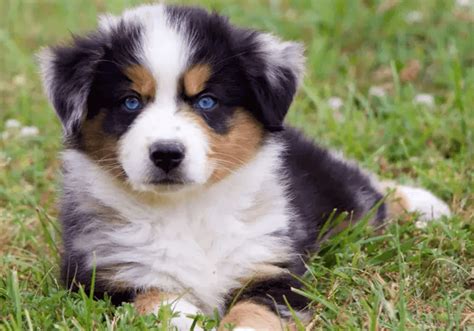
{"x": 168, "y": 182}
{"x": 171, "y": 181}
{"x": 160, "y": 179}
{"x": 163, "y": 185}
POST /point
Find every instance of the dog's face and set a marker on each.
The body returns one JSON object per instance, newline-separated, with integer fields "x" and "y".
{"x": 168, "y": 97}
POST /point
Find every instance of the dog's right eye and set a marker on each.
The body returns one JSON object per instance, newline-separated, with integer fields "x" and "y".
{"x": 132, "y": 104}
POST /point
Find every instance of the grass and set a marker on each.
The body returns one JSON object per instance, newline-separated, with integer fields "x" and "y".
{"x": 406, "y": 278}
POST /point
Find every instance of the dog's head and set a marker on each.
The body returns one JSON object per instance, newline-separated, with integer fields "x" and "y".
{"x": 167, "y": 96}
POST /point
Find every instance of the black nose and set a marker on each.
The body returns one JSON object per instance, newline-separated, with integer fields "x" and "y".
{"x": 167, "y": 155}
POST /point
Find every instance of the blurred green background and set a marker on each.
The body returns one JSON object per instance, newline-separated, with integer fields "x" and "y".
{"x": 390, "y": 83}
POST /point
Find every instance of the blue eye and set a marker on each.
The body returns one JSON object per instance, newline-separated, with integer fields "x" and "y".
{"x": 205, "y": 102}
{"x": 132, "y": 104}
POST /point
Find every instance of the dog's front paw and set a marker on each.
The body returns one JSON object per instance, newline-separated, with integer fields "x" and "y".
{"x": 182, "y": 310}
{"x": 183, "y": 323}
{"x": 250, "y": 316}
{"x": 151, "y": 301}
{"x": 425, "y": 203}
{"x": 410, "y": 199}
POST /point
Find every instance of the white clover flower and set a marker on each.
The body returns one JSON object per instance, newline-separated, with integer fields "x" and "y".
{"x": 29, "y": 131}
{"x": 19, "y": 80}
{"x": 5, "y": 135}
{"x": 414, "y": 17}
{"x": 335, "y": 103}
{"x": 452, "y": 49}
{"x": 465, "y": 3}
{"x": 377, "y": 91}
{"x": 424, "y": 99}
{"x": 12, "y": 124}
{"x": 4, "y": 159}
{"x": 421, "y": 224}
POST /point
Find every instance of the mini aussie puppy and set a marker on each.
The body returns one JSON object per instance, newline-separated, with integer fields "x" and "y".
{"x": 182, "y": 185}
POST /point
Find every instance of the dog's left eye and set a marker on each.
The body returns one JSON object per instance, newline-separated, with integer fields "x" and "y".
{"x": 205, "y": 102}
{"x": 132, "y": 104}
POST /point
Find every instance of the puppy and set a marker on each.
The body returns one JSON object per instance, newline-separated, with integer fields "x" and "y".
{"x": 182, "y": 185}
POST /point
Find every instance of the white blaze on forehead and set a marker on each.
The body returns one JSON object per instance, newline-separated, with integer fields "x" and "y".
{"x": 164, "y": 47}
{"x": 164, "y": 50}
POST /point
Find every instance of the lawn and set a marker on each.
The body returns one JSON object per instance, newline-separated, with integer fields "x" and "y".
{"x": 390, "y": 83}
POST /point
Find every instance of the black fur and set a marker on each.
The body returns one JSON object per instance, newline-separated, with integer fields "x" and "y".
{"x": 85, "y": 73}
{"x": 110, "y": 85}
{"x": 88, "y": 76}
{"x": 74, "y": 269}
{"x": 319, "y": 183}
{"x": 239, "y": 69}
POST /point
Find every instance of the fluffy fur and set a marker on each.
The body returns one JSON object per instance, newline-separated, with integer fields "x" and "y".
{"x": 244, "y": 203}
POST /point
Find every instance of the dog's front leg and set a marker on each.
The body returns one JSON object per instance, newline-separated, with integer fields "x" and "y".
{"x": 150, "y": 301}
{"x": 262, "y": 304}
{"x": 251, "y": 316}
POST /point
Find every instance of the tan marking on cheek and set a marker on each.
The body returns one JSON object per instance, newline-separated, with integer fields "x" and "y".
{"x": 231, "y": 150}
{"x": 251, "y": 315}
{"x": 143, "y": 81}
{"x": 195, "y": 79}
{"x": 101, "y": 147}
{"x": 147, "y": 302}
{"x": 237, "y": 147}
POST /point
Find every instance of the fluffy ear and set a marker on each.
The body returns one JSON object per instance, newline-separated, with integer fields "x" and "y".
{"x": 274, "y": 69}
{"x": 108, "y": 22}
{"x": 67, "y": 73}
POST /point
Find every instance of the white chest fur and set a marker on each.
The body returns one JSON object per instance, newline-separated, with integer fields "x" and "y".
{"x": 199, "y": 244}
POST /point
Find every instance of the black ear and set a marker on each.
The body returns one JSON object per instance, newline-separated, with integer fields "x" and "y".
{"x": 274, "y": 70}
{"x": 67, "y": 73}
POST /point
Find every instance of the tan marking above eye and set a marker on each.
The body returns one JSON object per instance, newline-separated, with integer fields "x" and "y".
{"x": 143, "y": 81}
{"x": 195, "y": 79}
